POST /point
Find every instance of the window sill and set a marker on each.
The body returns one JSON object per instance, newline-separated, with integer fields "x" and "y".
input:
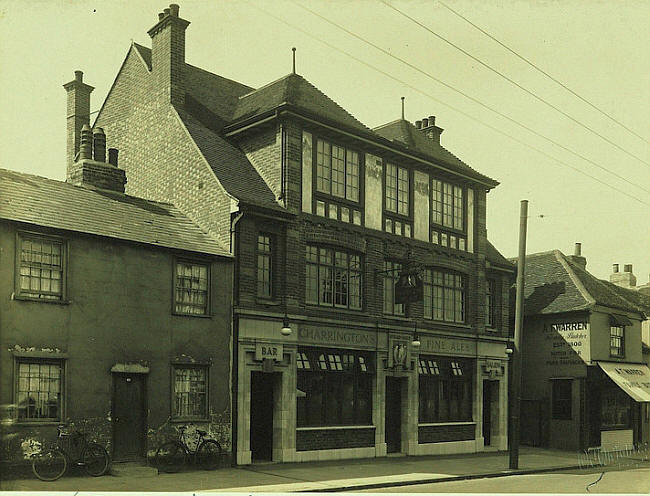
{"x": 442, "y": 424}
{"x": 176, "y": 314}
{"x": 352, "y": 311}
{"x": 33, "y": 423}
{"x": 181, "y": 420}
{"x": 335, "y": 427}
{"x": 268, "y": 301}
{"x": 18, "y": 297}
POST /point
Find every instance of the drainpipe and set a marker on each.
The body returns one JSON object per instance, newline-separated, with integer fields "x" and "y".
{"x": 234, "y": 250}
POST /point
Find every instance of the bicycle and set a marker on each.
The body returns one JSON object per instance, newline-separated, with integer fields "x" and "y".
{"x": 172, "y": 455}
{"x": 70, "y": 448}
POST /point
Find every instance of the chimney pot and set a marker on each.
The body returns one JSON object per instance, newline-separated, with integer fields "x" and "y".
{"x": 432, "y": 120}
{"x": 578, "y": 249}
{"x": 418, "y": 124}
{"x": 79, "y": 76}
{"x": 627, "y": 268}
{"x": 174, "y": 8}
{"x": 615, "y": 268}
{"x": 112, "y": 156}
{"x": 166, "y": 12}
{"x": 99, "y": 145}
{"x": 425, "y": 123}
{"x": 161, "y": 15}
{"x": 86, "y": 148}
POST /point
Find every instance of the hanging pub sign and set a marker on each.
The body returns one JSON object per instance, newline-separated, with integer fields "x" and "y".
{"x": 408, "y": 288}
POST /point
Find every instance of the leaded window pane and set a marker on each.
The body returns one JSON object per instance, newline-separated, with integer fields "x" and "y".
{"x": 41, "y": 269}
{"x": 190, "y": 392}
{"x": 191, "y": 288}
{"x": 323, "y": 166}
{"x": 38, "y": 391}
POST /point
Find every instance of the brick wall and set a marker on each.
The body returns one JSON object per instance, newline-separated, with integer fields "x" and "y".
{"x": 322, "y": 439}
{"x": 159, "y": 157}
{"x": 445, "y": 433}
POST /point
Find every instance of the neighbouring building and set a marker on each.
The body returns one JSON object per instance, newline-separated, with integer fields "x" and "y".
{"x": 586, "y": 382}
{"x": 115, "y": 313}
{"x": 323, "y": 215}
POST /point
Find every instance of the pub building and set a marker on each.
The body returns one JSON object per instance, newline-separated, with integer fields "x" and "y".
{"x": 322, "y": 214}
{"x": 585, "y": 380}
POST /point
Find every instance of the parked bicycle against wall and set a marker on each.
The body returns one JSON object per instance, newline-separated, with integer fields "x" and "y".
{"x": 71, "y": 448}
{"x": 172, "y": 455}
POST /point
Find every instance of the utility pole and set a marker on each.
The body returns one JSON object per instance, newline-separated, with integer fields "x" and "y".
{"x": 515, "y": 390}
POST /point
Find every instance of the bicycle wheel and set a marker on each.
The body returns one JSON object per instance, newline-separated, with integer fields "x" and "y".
{"x": 170, "y": 457}
{"x": 49, "y": 465}
{"x": 95, "y": 460}
{"x": 208, "y": 455}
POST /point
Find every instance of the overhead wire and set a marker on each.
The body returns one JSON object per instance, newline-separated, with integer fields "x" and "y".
{"x": 441, "y": 102}
{"x": 473, "y": 99}
{"x": 542, "y": 71}
{"x": 512, "y": 81}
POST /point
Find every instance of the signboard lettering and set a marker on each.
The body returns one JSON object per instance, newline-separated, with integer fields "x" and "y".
{"x": 268, "y": 351}
{"x": 336, "y": 336}
{"x": 448, "y": 345}
{"x": 566, "y": 343}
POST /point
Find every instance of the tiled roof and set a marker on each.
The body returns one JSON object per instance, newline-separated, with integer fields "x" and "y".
{"x": 232, "y": 168}
{"x": 402, "y": 131}
{"x": 45, "y": 202}
{"x": 218, "y": 94}
{"x": 495, "y": 258}
{"x": 555, "y": 284}
{"x": 296, "y": 91}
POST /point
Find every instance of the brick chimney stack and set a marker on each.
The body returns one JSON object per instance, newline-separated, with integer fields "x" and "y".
{"x": 428, "y": 127}
{"x": 577, "y": 257}
{"x": 168, "y": 55}
{"x": 78, "y": 114}
{"x": 91, "y": 170}
{"x": 625, "y": 279}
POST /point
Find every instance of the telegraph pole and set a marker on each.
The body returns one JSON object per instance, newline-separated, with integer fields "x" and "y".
{"x": 515, "y": 390}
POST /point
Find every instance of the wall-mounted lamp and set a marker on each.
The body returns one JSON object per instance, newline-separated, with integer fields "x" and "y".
{"x": 509, "y": 351}
{"x": 416, "y": 338}
{"x": 286, "y": 328}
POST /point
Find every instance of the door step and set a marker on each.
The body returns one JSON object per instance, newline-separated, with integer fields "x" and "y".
{"x": 132, "y": 469}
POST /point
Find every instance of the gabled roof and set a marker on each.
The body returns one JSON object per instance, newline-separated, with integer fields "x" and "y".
{"x": 495, "y": 258}
{"x": 218, "y": 94}
{"x": 48, "y": 203}
{"x": 232, "y": 168}
{"x": 402, "y": 131}
{"x": 296, "y": 91}
{"x": 555, "y": 284}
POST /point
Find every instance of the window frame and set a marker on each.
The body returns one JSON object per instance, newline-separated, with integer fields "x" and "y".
{"x": 269, "y": 255}
{"x": 430, "y": 295}
{"x": 617, "y": 337}
{"x": 557, "y": 412}
{"x": 333, "y": 374}
{"x": 346, "y": 199}
{"x": 208, "y": 304}
{"x": 443, "y": 375}
{"x": 333, "y": 268}
{"x": 391, "y": 275}
{"x": 54, "y": 239}
{"x": 61, "y": 363}
{"x": 441, "y": 232}
{"x": 172, "y": 404}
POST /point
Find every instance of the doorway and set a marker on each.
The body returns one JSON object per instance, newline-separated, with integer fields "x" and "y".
{"x": 129, "y": 416}
{"x": 261, "y": 417}
{"x": 393, "y": 419}
{"x": 490, "y": 413}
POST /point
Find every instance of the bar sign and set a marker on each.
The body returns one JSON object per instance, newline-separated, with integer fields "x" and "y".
{"x": 267, "y": 350}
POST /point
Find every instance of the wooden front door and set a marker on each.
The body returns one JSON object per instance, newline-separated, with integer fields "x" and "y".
{"x": 393, "y": 421}
{"x": 262, "y": 415}
{"x": 129, "y": 416}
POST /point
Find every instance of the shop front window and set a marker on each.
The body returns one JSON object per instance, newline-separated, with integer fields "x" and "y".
{"x": 615, "y": 408}
{"x": 337, "y": 387}
{"x": 445, "y": 389}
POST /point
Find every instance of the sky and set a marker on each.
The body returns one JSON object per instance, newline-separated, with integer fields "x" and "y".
{"x": 590, "y": 189}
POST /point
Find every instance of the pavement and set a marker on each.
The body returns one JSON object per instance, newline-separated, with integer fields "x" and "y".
{"x": 329, "y": 476}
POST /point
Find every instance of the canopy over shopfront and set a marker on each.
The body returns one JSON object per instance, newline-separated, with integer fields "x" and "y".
{"x": 632, "y": 378}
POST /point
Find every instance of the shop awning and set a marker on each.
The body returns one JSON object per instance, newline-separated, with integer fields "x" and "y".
{"x": 619, "y": 320}
{"x": 631, "y": 378}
